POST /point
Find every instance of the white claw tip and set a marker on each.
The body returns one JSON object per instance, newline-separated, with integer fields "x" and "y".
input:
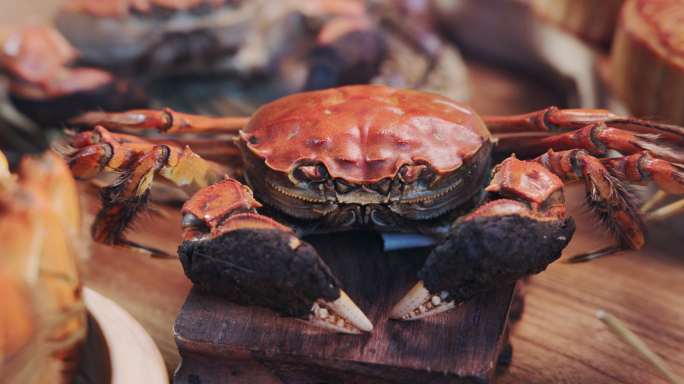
{"x": 419, "y": 303}
{"x": 341, "y": 315}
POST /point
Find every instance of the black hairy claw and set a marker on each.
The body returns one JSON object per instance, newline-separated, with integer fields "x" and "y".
{"x": 487, "y": 252}
{"x": 271, "y": 274}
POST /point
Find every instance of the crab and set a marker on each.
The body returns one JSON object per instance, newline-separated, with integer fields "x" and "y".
{"x": 377, "y": 158}
{"x": 46, "y": 82}
{"x": 103, "y": 54}
{"x": 43, "y": 317}
{"x": 300, "y": 44}
{"x": 163, "y": 36}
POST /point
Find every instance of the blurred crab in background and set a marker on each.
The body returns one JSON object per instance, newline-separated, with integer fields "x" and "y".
{"x": 221, "y": 56}
{"x": 46, "y": 83}
{"x": 247, "y": 37}
{"x": 41, "y": 312}
{"x": 377, "y": 158}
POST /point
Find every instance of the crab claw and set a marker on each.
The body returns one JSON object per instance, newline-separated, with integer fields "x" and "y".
{"x": 419, "y": 303}
{"x": 483, "y": 253}
{"x": 340, "y": 315}
{"x": 274, "y": 269}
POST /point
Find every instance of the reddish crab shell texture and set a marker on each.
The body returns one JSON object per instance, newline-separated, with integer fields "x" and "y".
{"x": 365, "y": 133}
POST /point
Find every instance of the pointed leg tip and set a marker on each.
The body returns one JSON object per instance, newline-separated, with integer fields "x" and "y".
{"x": 593, "y": 255}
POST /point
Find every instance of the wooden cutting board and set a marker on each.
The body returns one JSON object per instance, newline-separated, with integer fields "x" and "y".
{"x": 460, "y": 346}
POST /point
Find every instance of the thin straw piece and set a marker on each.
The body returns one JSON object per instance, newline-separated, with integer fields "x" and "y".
{"x": 630, "y": 338}
{"x": 666, "y": 212}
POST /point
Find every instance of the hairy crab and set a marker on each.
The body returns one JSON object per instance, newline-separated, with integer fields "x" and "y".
{"x": 159, "y": 35}
{"x": 382, "y": 159}
{"x": 121, "y": 47}
{"x": 301, "y": 44}
{"x": 46, "y": 82}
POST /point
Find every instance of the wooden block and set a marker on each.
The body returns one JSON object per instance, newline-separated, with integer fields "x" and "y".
{"x": 460, "y": 346}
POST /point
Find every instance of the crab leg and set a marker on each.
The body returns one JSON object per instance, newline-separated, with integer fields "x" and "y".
{"x": 137, "y": 162}
{"x": 217, "y": 148}
{"x": 518, "y": 231}
{"x": 279, "y": 271}
{"x": 654, "y": 149}
{"x": 553, "y": 119}
{"x": 606, "y": 194}
{"x": 643, "y": 167}
{"x": 597, "y": 139}
{"x": 164, "y": 121}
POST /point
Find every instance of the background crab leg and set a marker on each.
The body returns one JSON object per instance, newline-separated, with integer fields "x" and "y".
{"x": 518, "y": 231}
{"x": 553, "y": 119}
{"x": 164, "y": 121}
{"x": 136, "y": 162}
{"x": 280, "y": 271}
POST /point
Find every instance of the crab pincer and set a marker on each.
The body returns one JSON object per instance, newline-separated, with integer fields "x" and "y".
{"x": 519, "y": 230}
{"x": 231, "y": 250}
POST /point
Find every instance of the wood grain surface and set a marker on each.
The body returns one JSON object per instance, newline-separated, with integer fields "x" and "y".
{"x": 460, "y": 346}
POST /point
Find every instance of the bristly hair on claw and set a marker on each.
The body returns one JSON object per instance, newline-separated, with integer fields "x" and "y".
{"x": 625, "y": 202}
{"x": 118, "y": 213}
{"x": 117, "y": 216}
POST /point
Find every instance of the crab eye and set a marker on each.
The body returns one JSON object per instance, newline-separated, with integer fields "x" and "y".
{"x": 311, "y": 173}
{"x": 410, "y": 173}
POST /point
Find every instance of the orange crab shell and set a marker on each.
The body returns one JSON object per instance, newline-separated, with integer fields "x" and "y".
{"x": 365, "y": 133}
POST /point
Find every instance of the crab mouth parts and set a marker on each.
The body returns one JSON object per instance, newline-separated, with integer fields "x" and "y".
{"x": 434, "y": 195}
{"x": 365, "y": 196}
{"x": 291, "y": 194}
